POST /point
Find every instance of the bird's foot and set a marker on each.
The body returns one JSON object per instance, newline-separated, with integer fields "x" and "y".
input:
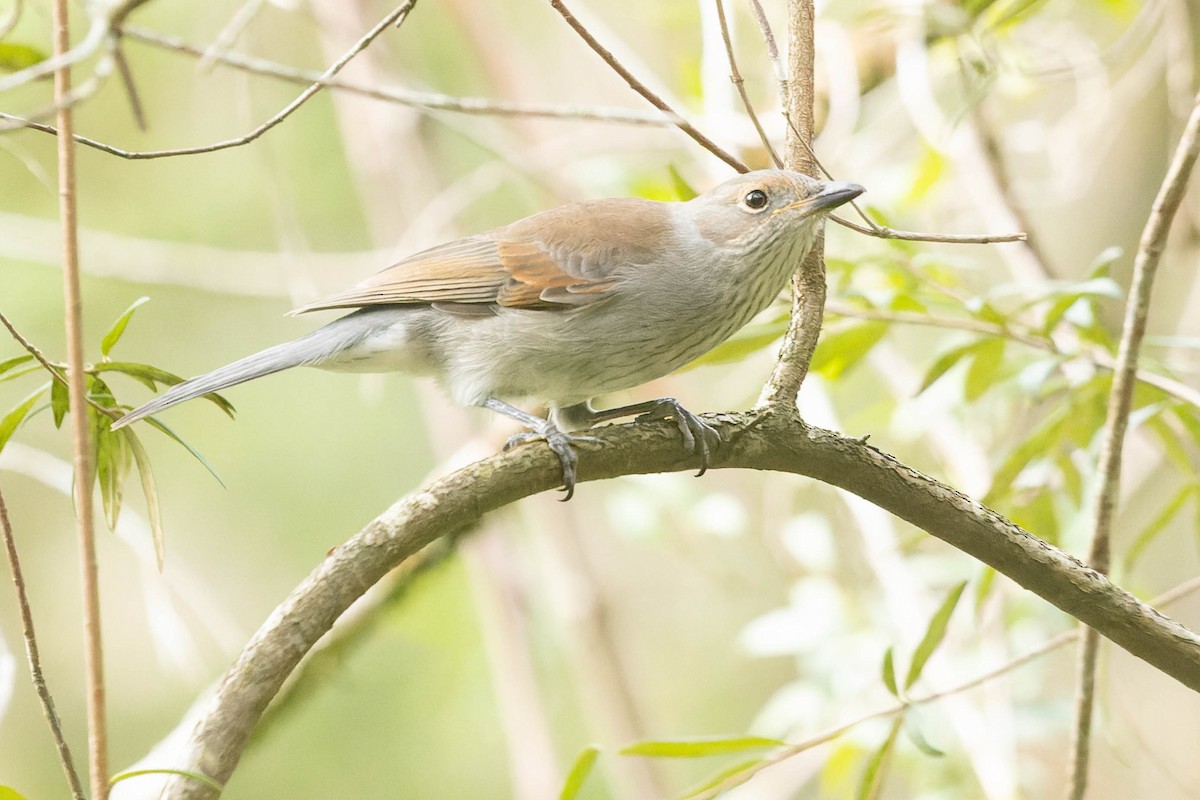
{"x": 697, "y": 434}
{"x": 561, "y": 443}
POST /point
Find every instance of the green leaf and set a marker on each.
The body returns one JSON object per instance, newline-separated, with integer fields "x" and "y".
{"x": 60, "y": 401}
{"x": 154, "y": 423}
{"x": 12, "y": 419}
{"x": 15, "y": 57}
{"x": 199, "y": 777}
{"x": 840, "y": 350}
{"x": 889, "y": 672}
{"x": 1046, "y": 438}
{"x": 9, "y": 793}
{"x": 113, "y": 460}
{"x": 750, "y": 339}
{"x": 118, "y": 328}
{"x": 579, "y": 772}
{"x": 18, "y": 373}
{"x": 699, "y": 747}
{"x": 871, "y": 785}
{"x": 1093, "y": 288}
{"x": 149, "y": 491}
{"x": 720, "y": 777}
{"x": 682, "y": 188}
{"x": 150, "y": 376}
{"x": 984, "y": 370}
{"x": 1159, "y": 523}
{"x": 946, "y": 361}
{"x": 987, "y": 580}
{"x": 5, "y": 366}
{"x": 917, "y": 737}
{"x": 934, "y": 634}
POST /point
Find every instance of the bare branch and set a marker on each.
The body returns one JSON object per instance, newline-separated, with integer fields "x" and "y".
{"x": 34, "y": 657}
{"x": 884, "y": 232}
{"x": 763, "y": 441}
{"x": 808, "y": 283}
{"x": 93, "y": 649}
{"x": 768, "y": 35}
{"x": 740, "y": 83}
{"x": 397, "y": 15}
{"x": 1120, "y": 402}
{"x": 643, "y": 90}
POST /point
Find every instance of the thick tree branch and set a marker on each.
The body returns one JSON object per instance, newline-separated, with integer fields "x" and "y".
{"x": 754, "y": 440}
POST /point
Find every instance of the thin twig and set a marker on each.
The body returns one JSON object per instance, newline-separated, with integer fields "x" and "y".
{"x": 1120, "y": 402}
{"x": 229, "y": 34}
{"x": 131, "y": 92}
{"x": 406, "y": 97}
{"x": 93, "y": 656}
{"x": 772, "y": 49}
{"x": 884, "y": 232}
{"x": 1047, "y": 647}
{"x": 643, "y": 90}
{"x": 57, "y": 371}
{"x": 35, "y": 659}
{"x": 399, "y": 14}
{"x": 736, "y": 77}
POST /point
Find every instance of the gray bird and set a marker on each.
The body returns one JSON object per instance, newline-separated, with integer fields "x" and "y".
{"x": 566, "y": 305}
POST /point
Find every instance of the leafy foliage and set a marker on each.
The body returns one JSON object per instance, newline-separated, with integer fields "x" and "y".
{"x": 114, "y": 452}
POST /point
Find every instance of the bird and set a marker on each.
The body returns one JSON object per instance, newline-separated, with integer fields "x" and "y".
{"x": 565, "y": 306}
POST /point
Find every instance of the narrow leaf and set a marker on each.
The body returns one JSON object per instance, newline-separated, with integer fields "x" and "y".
{"x": 1159, "y": 523}
{"x": 946, "y": 361}
{"x": 112, "y": 465}
{"x": 682, "y": 188}
{"x": 720, "y": 777}
{"x": 917, "y": 737}
{"x": 889, "y": 672}
{"x": 149, "y": 491}
{"x": 60, "y": 402}
{"x": 934, "y": 634}
{"x": 149, "y": 375}
{"x": 9, "y": 793}
{"x": 12, "y": 375}
{"x": 118, "y": 328}
{"x": 698, "y": 748}
{"x": 984, "y": 370}
{"x": 871, "y": 785}
{"x": 579, "y": 772}
{"x": 198, "y": 777}
{"x": 5, "y": 366}
{"x": 154, "y": 423}
{"x": 8, "y": 425}
{"x": 840, "y": 350}
{"x": 14, "y": 57}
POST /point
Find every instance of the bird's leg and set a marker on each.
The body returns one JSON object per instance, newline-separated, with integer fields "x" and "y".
{"x": 545, "y": 430}
{"x": 694, "y": 430}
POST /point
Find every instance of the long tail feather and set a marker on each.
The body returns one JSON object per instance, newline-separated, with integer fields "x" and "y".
{"x": 316, "y": 347}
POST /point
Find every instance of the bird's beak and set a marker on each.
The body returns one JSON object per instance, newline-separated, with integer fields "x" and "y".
{"x": 832, "y": 195}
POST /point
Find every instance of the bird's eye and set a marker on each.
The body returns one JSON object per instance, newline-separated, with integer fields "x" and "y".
{"x": 756, "y": 199}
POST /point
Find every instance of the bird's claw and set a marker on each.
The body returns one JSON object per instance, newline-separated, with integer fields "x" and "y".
{"x": 563, "y": 446}
{"x": 694, "y": 430}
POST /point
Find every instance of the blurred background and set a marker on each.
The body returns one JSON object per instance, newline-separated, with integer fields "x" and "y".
{"x": 648, "y": 608}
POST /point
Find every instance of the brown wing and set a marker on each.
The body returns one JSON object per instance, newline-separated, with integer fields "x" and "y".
{"x": 558, "y": 259}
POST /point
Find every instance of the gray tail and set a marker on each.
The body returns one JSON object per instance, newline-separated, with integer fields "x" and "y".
{"x": 311, "y": 349}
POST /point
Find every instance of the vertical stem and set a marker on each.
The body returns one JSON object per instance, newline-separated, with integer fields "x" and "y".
{"x": 93, "y": 657}
{"x": 1120, "y": 402}
{"x": 808, "y": 284}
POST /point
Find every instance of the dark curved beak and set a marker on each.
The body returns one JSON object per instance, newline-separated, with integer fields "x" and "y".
{"x": 831, "y": 195}
{"x": 834, "y": 194}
